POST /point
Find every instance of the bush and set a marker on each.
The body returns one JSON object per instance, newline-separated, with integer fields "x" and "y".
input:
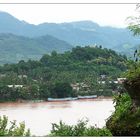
{"x": 80, "y": 129}
{"x": 13, "y": 129}
{"x": 125, "y": 121}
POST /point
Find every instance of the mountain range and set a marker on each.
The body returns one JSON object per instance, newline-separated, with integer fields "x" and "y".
{"x": 46, "y": 37}
{"x": 14, "y": 48}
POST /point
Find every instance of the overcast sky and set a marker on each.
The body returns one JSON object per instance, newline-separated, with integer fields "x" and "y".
{"x": 103, "y": 14}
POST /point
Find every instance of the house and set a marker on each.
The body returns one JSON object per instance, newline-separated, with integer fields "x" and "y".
{"x": 79, "y": 86}
{"x": 121, "y": 80}
{"x": 115, "y": 82}
{"x": 22, "y": 76}
{"x": 2, "y": 75}
{"x": 101, "y": 82}
{"x": 75, "y": 87}
{"x": 103, "y": 76}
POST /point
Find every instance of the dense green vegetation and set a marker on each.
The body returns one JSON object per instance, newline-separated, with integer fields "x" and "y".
{"x": 125, "y": 120}
{"x": 80, "y": 129}
{"x": 12, "y": 129}
{"x": 61, "y": 129}
{"x": 56, "y": 74}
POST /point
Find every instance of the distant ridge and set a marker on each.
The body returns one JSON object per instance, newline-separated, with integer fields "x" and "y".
{"x": 75, "y": 33}
{"x": 14, "y": 48}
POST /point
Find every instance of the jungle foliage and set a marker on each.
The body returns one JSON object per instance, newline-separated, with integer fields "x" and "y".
{"x": 12, "y": 129}
{"x": 57, "y": 72}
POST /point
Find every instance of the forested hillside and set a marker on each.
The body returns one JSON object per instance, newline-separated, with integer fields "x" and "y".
{"x": 55, "y": 74}
{"x": 14, "y": 48}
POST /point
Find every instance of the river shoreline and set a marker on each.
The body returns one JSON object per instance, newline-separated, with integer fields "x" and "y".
{"x": 39, "y": 101}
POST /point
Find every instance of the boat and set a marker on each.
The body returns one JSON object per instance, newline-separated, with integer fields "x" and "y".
{"x": 71, "y": 98}
{"x": 87, "y": 97}
{"x": 61, "y": 99}
{"x": 74, "y": 98}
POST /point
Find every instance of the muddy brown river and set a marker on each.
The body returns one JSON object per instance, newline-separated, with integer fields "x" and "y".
{"x": 39, "y": 116}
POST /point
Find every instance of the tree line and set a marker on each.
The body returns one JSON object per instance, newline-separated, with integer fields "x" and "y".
{"x": 54, "y": 74}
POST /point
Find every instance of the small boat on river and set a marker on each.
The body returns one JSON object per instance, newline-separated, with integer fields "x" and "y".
{"x": 72, "y": 98}
{"x": 87, "y": 97}
{"x": 62, "y": 99}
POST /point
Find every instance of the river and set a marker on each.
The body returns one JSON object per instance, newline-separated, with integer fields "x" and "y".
{"x": 39, "y": 116}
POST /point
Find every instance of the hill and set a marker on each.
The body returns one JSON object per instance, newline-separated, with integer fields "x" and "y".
{"x": 73, "y": 73}
{"x": 14, "y": 48}
{"x": 75, "y": 33}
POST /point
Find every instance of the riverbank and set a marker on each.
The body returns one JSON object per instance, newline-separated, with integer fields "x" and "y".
{"x": 38, "y": 101}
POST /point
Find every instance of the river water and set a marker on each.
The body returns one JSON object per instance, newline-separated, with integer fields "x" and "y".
{"x": 39, "y": 116}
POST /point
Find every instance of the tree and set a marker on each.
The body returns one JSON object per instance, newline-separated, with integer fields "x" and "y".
{"x": 44, "y": 91}
{"x": 125, "y": 120}
{"x": 80, "y": 129}
{"x": 132, "y": 83}
{"x": 34, "y": 90}
{"x": 54, "y": 54}
{"x": 134, "y": 22}
{"x": 45, "y": 59}
{"x": 61, "y": 90}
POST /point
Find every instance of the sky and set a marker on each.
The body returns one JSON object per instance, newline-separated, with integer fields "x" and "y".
{"x": 104, "y": 14}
